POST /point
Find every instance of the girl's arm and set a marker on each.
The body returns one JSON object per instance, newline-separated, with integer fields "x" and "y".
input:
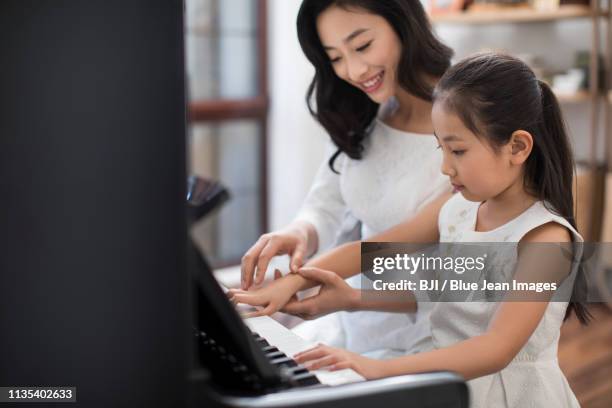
{"x": 345, "y": 260}
{"x": 509, "y": 330}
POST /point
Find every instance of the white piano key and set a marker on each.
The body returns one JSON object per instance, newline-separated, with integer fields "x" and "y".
{"x": 290, "y": 343}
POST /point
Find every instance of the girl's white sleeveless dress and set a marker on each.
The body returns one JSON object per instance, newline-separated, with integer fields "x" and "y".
{"x": 533, "y": 378}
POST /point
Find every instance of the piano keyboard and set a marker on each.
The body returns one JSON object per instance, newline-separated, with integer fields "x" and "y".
{"x": 288, "y": 344}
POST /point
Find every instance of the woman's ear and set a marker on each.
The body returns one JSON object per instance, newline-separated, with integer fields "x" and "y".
{"x": 521, "y": 144}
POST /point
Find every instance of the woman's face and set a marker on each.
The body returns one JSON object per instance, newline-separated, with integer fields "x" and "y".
{"x": 363, "y": 49}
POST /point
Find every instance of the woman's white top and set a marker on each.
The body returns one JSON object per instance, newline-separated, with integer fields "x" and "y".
{"x": 398, "y": 174}
{"x": 533, "y": 378}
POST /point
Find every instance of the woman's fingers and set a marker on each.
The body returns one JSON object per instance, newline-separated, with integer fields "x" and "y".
{"x": 249, "y": 261}
{"x": 269, "y": 251}
{"x": 302, "y": 308}
{"x": 297, "y": 257}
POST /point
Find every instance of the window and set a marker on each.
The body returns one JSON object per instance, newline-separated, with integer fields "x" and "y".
{"x": 227, "y": 86}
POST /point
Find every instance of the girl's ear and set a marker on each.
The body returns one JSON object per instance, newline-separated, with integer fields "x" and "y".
{"x": 521, "y": 144}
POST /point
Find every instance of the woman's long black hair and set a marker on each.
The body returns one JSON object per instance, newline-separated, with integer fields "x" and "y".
{"x": 342, "y": 109}
{"x": 494, "y": 95}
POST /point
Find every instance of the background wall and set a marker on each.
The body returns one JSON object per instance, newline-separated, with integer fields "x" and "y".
{"x": 296, "y": 142}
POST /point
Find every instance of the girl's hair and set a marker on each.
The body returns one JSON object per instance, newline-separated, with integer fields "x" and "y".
{"x": 495, "y": 95}
{"x": 342, "y": 109}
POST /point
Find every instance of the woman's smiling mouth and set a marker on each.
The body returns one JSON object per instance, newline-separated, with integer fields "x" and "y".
{"x": 374, "y": 83}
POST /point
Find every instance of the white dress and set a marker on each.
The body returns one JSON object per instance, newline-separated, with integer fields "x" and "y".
{"x": 398, "y": 174}
{"x": 533, "y": 378}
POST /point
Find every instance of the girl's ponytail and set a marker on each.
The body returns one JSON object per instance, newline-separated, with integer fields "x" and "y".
{"x": 556, "y": 168}
{"x": 555, "y": 136}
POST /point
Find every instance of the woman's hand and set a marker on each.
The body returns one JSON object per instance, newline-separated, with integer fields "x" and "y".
{"x": 295, "y": 240}
{"x": 272, "y": 297}
{"x": 332, "y": 359}
{"x": 335, "y": 294}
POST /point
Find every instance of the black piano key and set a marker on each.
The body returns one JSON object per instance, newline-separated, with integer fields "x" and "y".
{"x": 269, "y": 349}
{"x": 305, "y": 379}
{"x": 284, "y": 362}
{"x": 299, "y": 369}
{"x": 275, "y": 354}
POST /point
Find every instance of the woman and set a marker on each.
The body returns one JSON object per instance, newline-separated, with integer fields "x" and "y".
{"x": 376, "y": 64}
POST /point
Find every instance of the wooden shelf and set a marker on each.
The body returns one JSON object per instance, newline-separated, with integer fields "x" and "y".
{"x": 227, "y": 109}
{"x": 515, "y": 15}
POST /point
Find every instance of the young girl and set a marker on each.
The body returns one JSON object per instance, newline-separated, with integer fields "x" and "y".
{"x": 507, "y": 153}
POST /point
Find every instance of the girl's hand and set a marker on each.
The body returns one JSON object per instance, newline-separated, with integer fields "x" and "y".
{"x": 333, "y": 359}
{"x": 335, "y": 294}
{"x": 272, "y": 297}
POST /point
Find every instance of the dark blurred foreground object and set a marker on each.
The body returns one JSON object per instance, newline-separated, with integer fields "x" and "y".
{"x": 93, "y": 280}
{"x": 204, "y": 196}
{"x": 95, "y": 262}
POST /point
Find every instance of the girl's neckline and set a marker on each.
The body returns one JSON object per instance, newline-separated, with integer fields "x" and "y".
{"x": 501, "y": 227}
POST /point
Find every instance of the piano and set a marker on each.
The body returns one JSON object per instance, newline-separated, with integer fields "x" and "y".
{"x": 248, "y": 363}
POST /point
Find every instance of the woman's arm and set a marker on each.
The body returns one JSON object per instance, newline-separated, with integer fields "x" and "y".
{"x": 312, "y": 230}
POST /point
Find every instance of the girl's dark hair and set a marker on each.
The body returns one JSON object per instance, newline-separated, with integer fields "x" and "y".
{"x": 494, "y": 95}
{"x": 345, "y": 111}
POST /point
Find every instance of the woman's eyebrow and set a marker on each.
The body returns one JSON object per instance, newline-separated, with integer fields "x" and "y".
{"x": 350, "y": 37}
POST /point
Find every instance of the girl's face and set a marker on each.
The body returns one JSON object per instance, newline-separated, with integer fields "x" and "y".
{"x": 474, "y": 168}
{"x": 363, "y": 49}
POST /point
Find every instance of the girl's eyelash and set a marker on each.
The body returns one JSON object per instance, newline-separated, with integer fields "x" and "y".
{"x": 364, "y": 47}
{"x": 334, "y": 60}
{"x": 455, "y": 152}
